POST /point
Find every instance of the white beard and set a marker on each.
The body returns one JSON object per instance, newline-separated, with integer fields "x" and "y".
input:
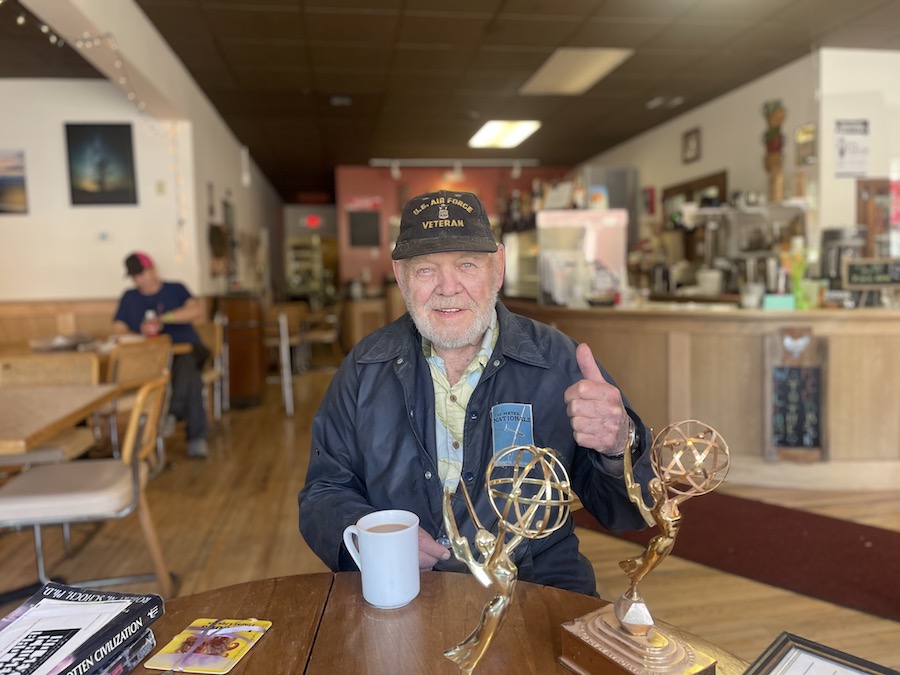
{"x": 444, "y": 338}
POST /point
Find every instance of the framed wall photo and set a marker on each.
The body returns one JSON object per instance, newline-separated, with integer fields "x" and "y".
{"x": 690, "y": 146}
{"x": 13, "y": 197}
{"x": 101, "y": 164}
{"x": 793, "y": 655}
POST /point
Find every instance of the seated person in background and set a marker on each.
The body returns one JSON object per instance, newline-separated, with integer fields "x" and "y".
{"x": 157, "y": 306}
{"x": 424, "y": 403}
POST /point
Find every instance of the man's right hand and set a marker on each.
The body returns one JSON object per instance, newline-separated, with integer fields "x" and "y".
{"x": 430, "y": 552}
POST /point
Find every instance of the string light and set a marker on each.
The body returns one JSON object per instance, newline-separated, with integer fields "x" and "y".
{"x": 181, "y": 193}
{"x": 83, "y": 42}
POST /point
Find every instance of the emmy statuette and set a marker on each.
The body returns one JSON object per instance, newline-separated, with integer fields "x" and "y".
{"x": 530, "y": 494}
{"x": 689, "y": 459}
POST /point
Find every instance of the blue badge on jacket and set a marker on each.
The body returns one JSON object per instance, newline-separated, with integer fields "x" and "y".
{"x": 512, "y": 424}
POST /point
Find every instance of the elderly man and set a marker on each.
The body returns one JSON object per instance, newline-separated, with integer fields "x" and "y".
{"x": 425, "y": 402}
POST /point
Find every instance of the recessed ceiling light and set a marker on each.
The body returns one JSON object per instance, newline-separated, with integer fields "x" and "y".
{"x": 340, "y": 101}
{"x": 571, "y": 71}
{"x": 675, "y": 101}
{"x": 654, "y": 103}
{"x": 503, "y": 133}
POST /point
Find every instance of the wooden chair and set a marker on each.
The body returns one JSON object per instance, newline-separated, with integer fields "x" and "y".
{"x": 215, "y": 372}
{"x": 95, "y": 490}
{"x": 132, "y": 364}
{"x": 321, "y": 328}
{"x": 53, "y": 368}
{"x": 281, "y": 331}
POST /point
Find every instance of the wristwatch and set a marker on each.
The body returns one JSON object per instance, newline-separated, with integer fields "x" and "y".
{"x": 630, "y": 443}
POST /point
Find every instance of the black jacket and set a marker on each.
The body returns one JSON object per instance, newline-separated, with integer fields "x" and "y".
{"x": 373, "y": 446}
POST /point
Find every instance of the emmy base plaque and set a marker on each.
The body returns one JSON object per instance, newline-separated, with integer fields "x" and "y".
{"x": 595, "y": 644}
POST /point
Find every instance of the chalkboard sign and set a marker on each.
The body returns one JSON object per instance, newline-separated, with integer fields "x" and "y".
{"x": 365, "y": 228}
{"x": 797, "y": 407}
{"x": 870, "y": 273}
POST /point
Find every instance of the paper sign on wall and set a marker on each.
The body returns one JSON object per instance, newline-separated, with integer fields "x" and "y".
{"x": 851, "y": 147}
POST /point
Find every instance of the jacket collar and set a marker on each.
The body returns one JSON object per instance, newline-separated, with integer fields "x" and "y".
{"x": 399, "y": 338}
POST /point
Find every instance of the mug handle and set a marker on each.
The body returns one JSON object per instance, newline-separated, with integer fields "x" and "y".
{"x": 349, "y": 531}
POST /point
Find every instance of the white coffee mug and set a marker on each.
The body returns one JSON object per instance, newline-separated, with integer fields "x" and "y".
{"x": 387, "y": 556}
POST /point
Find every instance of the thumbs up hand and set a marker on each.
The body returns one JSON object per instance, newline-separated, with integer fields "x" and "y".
{"x": 595, "y": 408}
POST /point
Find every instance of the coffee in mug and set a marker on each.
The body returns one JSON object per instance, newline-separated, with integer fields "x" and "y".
{"x": 387, "y": 527}
{"x": 385, "y": 547}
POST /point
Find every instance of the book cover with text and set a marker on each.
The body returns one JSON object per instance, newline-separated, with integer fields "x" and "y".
{"x": 66, "y": 630}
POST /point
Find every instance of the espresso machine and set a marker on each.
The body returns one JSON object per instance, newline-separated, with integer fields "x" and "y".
{"x": 838, "y": 244}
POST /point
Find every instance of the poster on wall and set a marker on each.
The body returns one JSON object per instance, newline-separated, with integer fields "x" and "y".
{"x": 231, "y": 268}
{"x": 101, "y": 164}
{"x": 851, "y": 148}
{"x": 13, "y": 198}
{"x": 218, "y": 250}
{"x": 599, "y": 197}
{"x": 805, "y": 144}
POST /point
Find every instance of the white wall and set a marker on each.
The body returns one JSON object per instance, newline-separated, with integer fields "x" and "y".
{"x": 823, "y": 87}
{"x": 184, "y": 153}
{"x": 857, "y": 84}
{"x": 732, "y": 128}
{"x": 61, "y": 251}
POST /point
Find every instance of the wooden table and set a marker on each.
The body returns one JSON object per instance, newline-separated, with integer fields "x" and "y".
{"x": 31, "y": 415}
{"x": 321, "y": 625}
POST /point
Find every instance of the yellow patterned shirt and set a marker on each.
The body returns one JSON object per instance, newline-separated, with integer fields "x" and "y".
{"x": 450, "y": 403}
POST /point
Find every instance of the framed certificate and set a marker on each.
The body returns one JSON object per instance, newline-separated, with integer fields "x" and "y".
{"x": 690, "y": 146}
{"x": 793, "y": 655}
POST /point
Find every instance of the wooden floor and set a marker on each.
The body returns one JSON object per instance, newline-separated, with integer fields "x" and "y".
{"x": 233, "y": 518}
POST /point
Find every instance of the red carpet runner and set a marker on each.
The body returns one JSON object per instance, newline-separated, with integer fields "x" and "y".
{"x": 844, "y": 563}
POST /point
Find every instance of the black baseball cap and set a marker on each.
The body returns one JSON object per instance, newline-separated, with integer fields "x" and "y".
{"x": 137, "y": 262}
{"x": 442, "y": 221}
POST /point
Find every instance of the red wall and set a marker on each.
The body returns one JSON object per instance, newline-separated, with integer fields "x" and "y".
{"x": 367, "y": 188}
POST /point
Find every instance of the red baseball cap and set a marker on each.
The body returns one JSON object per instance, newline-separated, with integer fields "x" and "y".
{"x": 136, "y": 263}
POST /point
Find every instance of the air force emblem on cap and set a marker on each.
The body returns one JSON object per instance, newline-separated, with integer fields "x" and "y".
{"x": 440, "y": 222}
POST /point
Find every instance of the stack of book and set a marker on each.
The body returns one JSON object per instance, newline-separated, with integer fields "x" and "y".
{"x": 65, "y": 630}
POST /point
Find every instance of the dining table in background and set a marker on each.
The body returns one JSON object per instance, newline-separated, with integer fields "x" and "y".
{"x": 321, "y": 625}
{"x": 30, "y": 415}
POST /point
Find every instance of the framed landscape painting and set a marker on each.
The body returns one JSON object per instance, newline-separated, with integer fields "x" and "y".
{"x": 13, "y": 198}
{"x": 101, "y": 164}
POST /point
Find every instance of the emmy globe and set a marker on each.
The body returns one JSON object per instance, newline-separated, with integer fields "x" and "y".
{"x": 689, "y": 459}
{"x": 530, "y": 494}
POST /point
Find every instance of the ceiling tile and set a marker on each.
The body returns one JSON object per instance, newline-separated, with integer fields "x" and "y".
{"x": 423, "y": 74}
{"x": 620, "y": 33}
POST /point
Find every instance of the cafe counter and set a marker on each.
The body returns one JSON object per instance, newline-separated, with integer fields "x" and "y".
{"x": 718, "y": 364}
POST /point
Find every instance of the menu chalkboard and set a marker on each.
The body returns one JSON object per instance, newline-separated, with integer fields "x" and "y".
{"x": 797, "y": 406}
{"x": 866, "y": 273}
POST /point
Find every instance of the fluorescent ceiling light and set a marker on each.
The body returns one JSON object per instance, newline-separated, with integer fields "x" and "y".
{"x": 503, "y": 133}
{"x": 571, "y": 71}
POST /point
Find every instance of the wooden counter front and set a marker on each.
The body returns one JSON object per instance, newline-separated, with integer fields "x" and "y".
{"x": 683, "y": 362}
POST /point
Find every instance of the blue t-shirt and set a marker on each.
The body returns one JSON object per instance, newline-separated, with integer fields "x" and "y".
{"x": 172, "y": 295}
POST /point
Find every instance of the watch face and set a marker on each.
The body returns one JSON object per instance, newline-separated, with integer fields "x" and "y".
{"x": 632, "y": 435}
